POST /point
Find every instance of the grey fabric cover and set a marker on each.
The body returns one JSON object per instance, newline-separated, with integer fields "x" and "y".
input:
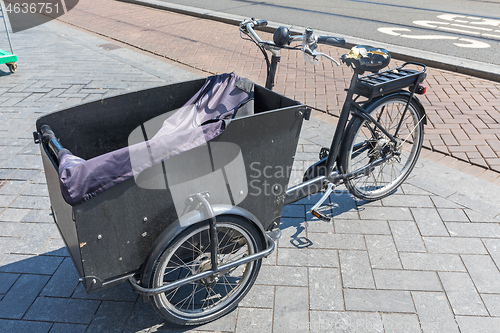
{"x": 202, "y": 118}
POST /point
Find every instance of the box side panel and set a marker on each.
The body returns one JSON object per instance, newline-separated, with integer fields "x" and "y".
{"x": 268, "y": 142}
{"x": 63, "y": 213}
{"x": 118, "y": 228}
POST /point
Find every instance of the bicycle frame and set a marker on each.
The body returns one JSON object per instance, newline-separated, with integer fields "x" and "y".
{"x": 332, "y": 175}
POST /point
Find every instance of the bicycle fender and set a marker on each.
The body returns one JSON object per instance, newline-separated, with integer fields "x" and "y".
{"x": 404, "y": 93}
{"x": 175, "y": 229}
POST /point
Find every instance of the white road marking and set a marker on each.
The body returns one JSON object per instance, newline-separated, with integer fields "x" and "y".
{"x": 452, "y": 23}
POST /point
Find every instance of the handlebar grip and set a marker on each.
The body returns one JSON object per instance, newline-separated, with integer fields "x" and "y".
{"x": 259, "y": 23}
{"x": 50, "y": 139}
{"x": 333, "y": 41}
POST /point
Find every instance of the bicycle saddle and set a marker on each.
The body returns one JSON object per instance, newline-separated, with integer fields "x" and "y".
{"x": 367, "y": 58}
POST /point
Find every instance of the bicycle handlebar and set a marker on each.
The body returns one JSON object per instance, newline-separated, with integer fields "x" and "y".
{"x": 332, "y": 41}
{"x": 247, "y": 27}
{"x": 259, "y": 23}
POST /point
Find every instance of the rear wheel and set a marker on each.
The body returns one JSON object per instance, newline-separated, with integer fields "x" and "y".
{"x": 386, "y": 164}
{"x": 206, "y": 299}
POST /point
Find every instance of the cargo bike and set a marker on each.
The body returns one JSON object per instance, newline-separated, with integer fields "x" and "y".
{"x": 170, "y": 188}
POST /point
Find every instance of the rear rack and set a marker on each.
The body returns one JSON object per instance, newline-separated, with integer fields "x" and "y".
{"x": 388, "y": 81}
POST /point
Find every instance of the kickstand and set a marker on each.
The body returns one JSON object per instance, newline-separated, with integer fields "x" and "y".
{"x": 314, "y": 209}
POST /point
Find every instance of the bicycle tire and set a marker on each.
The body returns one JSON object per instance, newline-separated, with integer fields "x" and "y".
{"x": 189, "y": 253}
{"x": 364, "y": 143}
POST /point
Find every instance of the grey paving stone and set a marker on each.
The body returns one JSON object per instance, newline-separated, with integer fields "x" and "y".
{"x": 434, "y": 312}
{"x": 5, "y": 200}
{"x": 342, "y": 203}
{"x": 22, "y": 174}
{"x": 386, "y": 213}
{"x": 406, "y": 236}
{"x": 412, "y": 189}
{"x": 55, "y": 247}
{"x": 432, "y": 262}
{"x": 475, "y": 216}
{"x": 30, "y": 264}
{"x": 484, "y": 273}
{"x": 453, "y": 215}
{"x": 378, "y": 300}
{"x": 297, "y": 211}
{"x": 282, "y": 276}
{"x": 259, "y": 296}
{"x": 318, "y": 226}
{"x": 307, "y": 257}
{"x": 400, "y": 322}
{"x": 17, "y": 230}
{"x": 30, "y": 202}
{"x": 429, "y": 222}
{"x": 21, "y": 295}
{"x": 485, "y": 230}
{"x": 14, "y": 187}
{"x": 382, "y": 252}
{"x": 356, "y": 270}
{"x": 480, "y": 201}
{"x": 291, "y": 310}
{"x": 492, "y": 302}
{"x": 493, "y": 246}
{"x": 337, "y": 241}
{"x": 361, "y": 227}
{"x": 14, "y": 215}
{"x": 63, "y": 282}
{"x": 325, "y": 289}
{"x": 122, "y": 292}
{"x": 456, "y": 245}
{"x": 63, "y": 310}
{"x": 293, "y": 232}
{"x": 39, "y": 216}
{"x": 111, "y": 317}
{"x": 7, "y": 244}
{"x": 36, "y": 190}
{"x": 68, "y": 328}
{"x": 408, "y": 200}
{"x": 323, "y": 321}
{"x": 36, "y": 239}
{"x": 462, "y": 294}
{"x": 7, "y": 280}
{"x": 254, "y": 320}
{"x": 143, "y": 315}
{"x": 18, "y": 326}
{"x": 478, "y": 324}
{"x": 406, "y": 280}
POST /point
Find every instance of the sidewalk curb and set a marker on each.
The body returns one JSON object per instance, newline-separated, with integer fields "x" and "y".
{"x": 449, "y": 63}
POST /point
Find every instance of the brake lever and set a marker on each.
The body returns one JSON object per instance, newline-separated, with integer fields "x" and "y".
{"x": 314, "y": 53}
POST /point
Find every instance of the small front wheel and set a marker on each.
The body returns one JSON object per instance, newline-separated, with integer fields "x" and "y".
{"x": 12, "y": 67}
{"x": 209, "y": 298}
{"x": 385, "y": 164}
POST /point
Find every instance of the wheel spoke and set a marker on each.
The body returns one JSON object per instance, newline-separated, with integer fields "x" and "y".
{"x": 212, "y": 294}
{"x": 382, "y": 179}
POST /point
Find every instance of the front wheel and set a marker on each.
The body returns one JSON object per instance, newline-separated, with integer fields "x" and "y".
{"x": 209, "y": 298}
{"x": 384, "y": 164}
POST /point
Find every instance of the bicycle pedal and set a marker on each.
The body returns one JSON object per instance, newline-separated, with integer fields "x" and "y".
{"x": 323, "y": 153}
{"x": 314, "y": 209}
{"x": 321, "y": 216}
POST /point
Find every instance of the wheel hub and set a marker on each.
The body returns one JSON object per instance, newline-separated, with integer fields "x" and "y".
{"x": 206, "y": 265}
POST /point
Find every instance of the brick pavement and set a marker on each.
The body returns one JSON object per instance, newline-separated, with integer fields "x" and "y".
{"x": 463, "y": 111}
{"x": 425, "y": 259}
